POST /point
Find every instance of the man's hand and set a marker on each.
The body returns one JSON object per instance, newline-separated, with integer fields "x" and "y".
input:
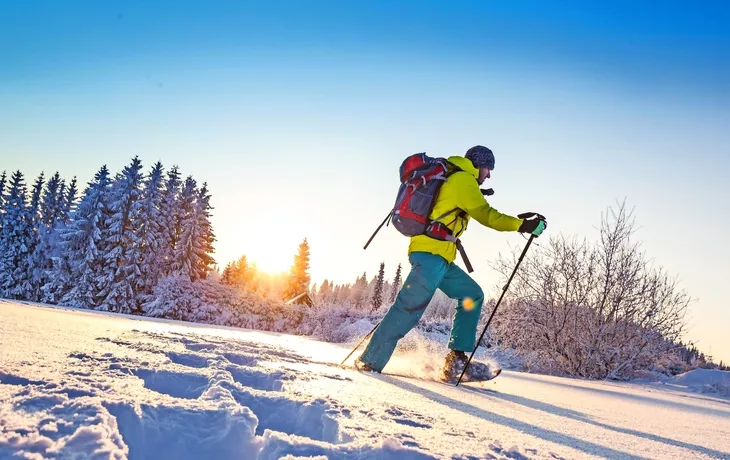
{"x": 533, "y": 223}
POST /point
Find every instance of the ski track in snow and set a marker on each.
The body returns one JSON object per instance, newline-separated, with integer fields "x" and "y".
{"x": 109, "y": 386}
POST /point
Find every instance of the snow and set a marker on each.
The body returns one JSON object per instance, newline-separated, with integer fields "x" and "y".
{"x": 705, "y": 381}
{"x": 83, "y": 384}
{"x": 703, "y": 377}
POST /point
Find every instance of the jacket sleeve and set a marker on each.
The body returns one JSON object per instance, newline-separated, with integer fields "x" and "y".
{"x": 471, "y": 200}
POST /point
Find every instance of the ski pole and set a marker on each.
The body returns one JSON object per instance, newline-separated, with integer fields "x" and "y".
{"x": 504, "y": 291}
{"x": 358, "y": 345}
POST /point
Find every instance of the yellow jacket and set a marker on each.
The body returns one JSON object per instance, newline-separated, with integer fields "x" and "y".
{"x": 461, "y": 191}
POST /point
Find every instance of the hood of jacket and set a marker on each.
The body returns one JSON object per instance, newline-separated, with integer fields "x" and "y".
{"x": 465, "y": 165}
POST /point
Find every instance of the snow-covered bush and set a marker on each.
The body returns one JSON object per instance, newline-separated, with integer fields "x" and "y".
{"x": 176, "y": 297}
{"x": 208, "y": 301}
{"x": 336, "y": 321}
{"x": 596, "y": 311}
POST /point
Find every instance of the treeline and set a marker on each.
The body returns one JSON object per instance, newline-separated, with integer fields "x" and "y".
{"x": 693, "y": 357}
{"x": 367, "y": 295}
{"x": 107, "y": 248}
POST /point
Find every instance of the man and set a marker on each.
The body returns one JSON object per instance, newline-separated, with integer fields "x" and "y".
{"x": 433, "y": 267}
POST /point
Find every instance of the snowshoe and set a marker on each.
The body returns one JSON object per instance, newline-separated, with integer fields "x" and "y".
{"x": 477, "y": 372}
{"x": 364, "y": 367}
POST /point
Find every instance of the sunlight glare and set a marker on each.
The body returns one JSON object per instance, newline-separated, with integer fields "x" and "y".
{"x": 273, "y": 252}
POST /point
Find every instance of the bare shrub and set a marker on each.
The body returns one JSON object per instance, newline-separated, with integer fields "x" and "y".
{"x": 592, "y": 310}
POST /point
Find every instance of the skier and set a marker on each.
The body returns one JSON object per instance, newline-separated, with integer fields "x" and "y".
{"x": 433, "y": 267}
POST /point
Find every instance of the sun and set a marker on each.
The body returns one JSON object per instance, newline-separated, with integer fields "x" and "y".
{"x": 273, "y": 252}
{"x": 270, "y": 259}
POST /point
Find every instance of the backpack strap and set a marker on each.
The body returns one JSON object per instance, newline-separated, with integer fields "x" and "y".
{"x": 442, "y": 232}
{"x": 439, "y": 231}
{"x": 444, "y": 215}
{"x": 460, "y": 247}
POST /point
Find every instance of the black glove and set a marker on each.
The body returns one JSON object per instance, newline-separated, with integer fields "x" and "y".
{"x": 533, "y": 223}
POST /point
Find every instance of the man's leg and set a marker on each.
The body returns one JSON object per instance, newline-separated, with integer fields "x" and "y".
{"x": 418, "y": 288}
{"x": 460, "y": 286}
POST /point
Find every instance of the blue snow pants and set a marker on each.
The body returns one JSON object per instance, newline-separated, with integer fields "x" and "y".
{"x": 428, "y": 273}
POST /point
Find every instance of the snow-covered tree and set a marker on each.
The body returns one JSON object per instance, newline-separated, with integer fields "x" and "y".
{"x": 299, "y": 278}
{"x": 29, "y": 290}
{"x": 206, "y": 236}
{"x": 3, "y": 181}
{"x": 193, "y": 250}
{"x": 15, "y": 240}
{"x": 396, "y": 284}
{"x": 122, "y": 255}
{"x": 238, "y": 273}
{"x": 227, "y": 275}
{"x": 171, "y": 218}
{"x": 41, "y": 259}
{"x": 57, "y": 278}
{"x": 325, "y": 293}
{"x": 79, "y": 272}
{"x": 150, "y": 232}
{"x": 68, "y": 203}
{"x": 35, "y": 200}
{"x": 377, "y": 299}
{"x": 358, "y": 292}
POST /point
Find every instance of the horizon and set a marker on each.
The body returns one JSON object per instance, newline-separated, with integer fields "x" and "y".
{"x": 298, "y": 117}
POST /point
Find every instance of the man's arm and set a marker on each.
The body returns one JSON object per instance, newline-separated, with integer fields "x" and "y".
{"x": 471, "y": 200}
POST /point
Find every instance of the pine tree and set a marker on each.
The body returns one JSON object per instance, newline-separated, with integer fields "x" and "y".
{"x": 396, "y": 284}
{"x": 78, "y": 273}
{"x": 193, "y": 250}
{"x": 57, "y": 278}
{"x": 206, "y": 237}
{"x": 69, "y": 202}
{"x": 358, "y": 291}
{"x": 42, "y": 257}
{"x": 3, "y": 181}
{"x": 149, "y": 229}
{"x": 27, "y": 289}
{"x": 240, "y": 273}
{"x": 325, "y": 293}
{"x": 299, "y": 273}
{"x": 122, "y": 257}
{"x": 227, "y": 275}
{"x": 367, "y": 293}
{"x": 377, "y": 299}
{"x": 171, "y": 217}
{"x": 237, "y": 273}
{"x": 15, "y": 239}
{"x": 35, "y": 200}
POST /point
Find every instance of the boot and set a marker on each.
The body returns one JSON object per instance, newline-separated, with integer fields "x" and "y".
{"x": 363, "y": 366}
{"x": 454, "y": 366}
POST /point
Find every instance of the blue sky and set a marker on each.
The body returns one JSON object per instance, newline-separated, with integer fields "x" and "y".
{"x": 298, "y": 114}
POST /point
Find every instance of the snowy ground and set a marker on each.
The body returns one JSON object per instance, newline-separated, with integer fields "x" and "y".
{"x": 83, "y": 382}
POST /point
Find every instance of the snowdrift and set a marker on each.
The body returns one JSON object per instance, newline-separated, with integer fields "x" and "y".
{"x": 705, "y": 381}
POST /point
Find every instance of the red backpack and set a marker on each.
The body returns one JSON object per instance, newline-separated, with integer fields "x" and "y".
{"x": 421, "y": 178}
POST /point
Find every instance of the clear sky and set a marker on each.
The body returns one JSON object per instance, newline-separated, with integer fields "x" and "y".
{"x": 298, "y": 115}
